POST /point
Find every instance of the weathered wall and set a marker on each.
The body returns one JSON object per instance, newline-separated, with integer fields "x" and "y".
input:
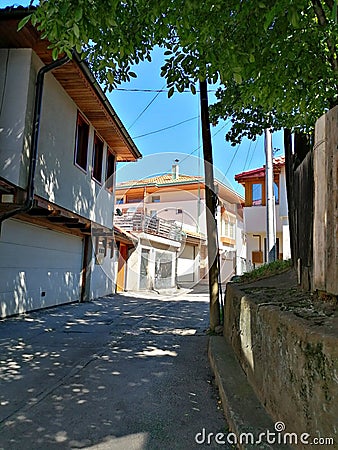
{"x": 325, "y": 221}
{"x": 292, "y": 366}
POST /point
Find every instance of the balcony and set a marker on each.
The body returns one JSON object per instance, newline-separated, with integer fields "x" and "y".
{"x": 138, "y": 222}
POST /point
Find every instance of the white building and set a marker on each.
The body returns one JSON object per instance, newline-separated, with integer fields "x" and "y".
{"x": 255, "y": 212}
{"x": 57, "y": 166}
{"x": 180, "y": 200}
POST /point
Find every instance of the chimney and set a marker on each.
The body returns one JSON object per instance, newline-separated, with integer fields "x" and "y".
{"x": 175, "y": 170}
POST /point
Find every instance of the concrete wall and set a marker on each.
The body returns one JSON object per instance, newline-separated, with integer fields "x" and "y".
{"x": 325, "y": 220}
{"x": 291, "y": 364}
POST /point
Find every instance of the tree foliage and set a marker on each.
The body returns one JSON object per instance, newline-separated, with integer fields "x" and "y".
{"x": 276, "y": 60}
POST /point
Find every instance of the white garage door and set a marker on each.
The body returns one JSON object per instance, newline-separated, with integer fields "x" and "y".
{"x": 186, "y": 265}
{"x": 38, "y": 267}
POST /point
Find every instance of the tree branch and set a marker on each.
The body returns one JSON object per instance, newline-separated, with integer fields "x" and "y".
{"x": 320, "y": 13}
{"x": 329, "y": 3}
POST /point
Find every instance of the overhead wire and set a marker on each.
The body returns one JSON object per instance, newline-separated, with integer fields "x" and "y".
{"x": 165, "y": 128}
{"x": 157, "y": 90}
{"x": 253, "y": 151}
{"x": 247, "y": 156}
{"x": 145, "y": 109}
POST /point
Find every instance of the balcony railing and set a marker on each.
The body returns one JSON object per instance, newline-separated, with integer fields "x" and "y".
{"x": 138, "y": 222}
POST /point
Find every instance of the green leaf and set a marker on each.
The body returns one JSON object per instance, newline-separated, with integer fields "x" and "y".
{"x": 252, "y": 58}
{"x": 24, "y": 21}
{"x": 193, "y": 89}
{"x": 132, "y": 74}
{"x": 110, "y": 77}
{"x": 171, "y": 92}
{"x": 238, "y": 78}
{"x": 78, "y": 14}
{"x": 76, "y": 30}
{"x": 55, "y": 53}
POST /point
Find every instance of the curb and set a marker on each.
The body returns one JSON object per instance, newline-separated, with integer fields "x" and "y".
{"x": 243, "y": 411}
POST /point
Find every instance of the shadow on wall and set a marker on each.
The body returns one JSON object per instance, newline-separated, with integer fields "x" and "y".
{"x": 57, "y": 288}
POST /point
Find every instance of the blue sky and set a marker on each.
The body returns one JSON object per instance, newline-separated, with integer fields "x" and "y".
{"x": 145, "y": 113}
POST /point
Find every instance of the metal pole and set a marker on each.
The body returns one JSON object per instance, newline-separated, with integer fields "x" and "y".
{"x": 270, "y": 200}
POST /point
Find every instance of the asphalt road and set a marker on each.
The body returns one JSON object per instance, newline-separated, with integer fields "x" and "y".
{"x": 121, "y": 372}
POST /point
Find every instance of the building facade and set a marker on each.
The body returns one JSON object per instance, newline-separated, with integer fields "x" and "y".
{"x": 180, "y": 201}
{"x": 60, "y": 140}
{"x": 255, "y": 225}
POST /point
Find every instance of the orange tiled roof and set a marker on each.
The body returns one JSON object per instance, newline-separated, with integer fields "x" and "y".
{"x": 278, "y": 163}
{"x": 161, "y": 180}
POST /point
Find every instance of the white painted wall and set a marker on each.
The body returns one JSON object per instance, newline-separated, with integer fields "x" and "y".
{"x": 15, "y": 114}
{"x": 188, "y": 264}
{"x": 33, "y": 261}
{"x": 103, "y": 279}
{"x": 157, "y": 246}
{"x": 255, "y": 219}
{"x": 58, "y": 179}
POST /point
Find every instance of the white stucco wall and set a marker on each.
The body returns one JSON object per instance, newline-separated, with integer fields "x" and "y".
{"x": 58, "y": 179}
{"x": 103, "y": 277}
{"x": 15, "y": 115}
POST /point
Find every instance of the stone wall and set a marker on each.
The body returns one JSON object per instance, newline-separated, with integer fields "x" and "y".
{"x": 291, "y": 362}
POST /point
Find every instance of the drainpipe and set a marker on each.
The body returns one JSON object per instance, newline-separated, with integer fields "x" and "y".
{"x": 35, "y": 138}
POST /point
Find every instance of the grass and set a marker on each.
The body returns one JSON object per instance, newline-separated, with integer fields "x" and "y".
{"x": 266, "y": 270}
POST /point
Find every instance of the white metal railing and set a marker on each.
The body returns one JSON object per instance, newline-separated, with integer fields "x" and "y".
{"x": 139, "y": 222}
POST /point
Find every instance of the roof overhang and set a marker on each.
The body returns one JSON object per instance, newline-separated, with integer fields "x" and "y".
{"x": 76, "y": 79}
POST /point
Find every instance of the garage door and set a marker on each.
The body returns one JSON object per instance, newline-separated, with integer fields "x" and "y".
{"x": 186, "y": 265}
{"x": 39, "y": 268}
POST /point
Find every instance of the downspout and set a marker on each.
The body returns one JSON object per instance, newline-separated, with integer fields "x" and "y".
{"x": 25, "y": 207}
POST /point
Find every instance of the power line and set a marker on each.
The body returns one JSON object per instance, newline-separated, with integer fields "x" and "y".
{"x": 145, "y": 109}
{"x": 200, "y": 145}
{"x": 253, "y": 151}
{"x": 166, "y": 128}
{"x": 247, "y": 156}
{"x": 156, "y": 90}
{"x": 232, "y": 160}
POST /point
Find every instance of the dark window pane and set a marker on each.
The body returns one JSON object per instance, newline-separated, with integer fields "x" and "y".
{"x": 97, "y": 159}
{"x": 110, "y": 169}
{"x": 81, "y": 144}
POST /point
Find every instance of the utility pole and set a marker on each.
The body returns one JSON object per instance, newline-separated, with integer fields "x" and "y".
{"x": 210, "y": 209}
{"x": 270, "y": 200}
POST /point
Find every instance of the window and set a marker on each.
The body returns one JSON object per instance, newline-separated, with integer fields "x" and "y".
{"x": 276, "y": 192}
{"x": 81, "y": 143}
{"x": 134, "y": 198}
{"x": 155, "y": 199}
{"x": 97, "y": 159}
{"x": 257, "y": 194}
{"x": 110, "y": 170}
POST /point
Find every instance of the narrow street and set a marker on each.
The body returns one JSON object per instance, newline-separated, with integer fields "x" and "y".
{"x": 121, "y": 372}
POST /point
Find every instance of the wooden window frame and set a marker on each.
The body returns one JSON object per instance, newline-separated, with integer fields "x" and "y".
{"x": 80, "y": 120}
